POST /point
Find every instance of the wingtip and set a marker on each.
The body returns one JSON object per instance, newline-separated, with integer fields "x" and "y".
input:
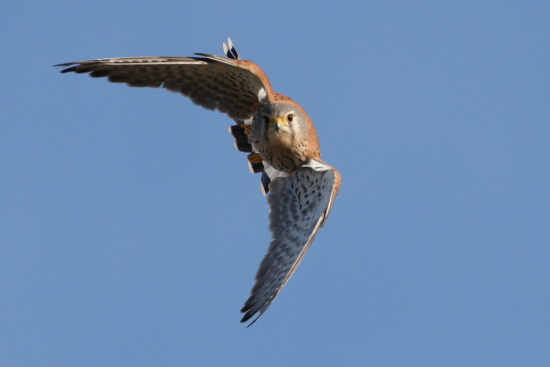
{"x": 253, "y": 322}
{"x": 65, "y": 65}
{"x": 247, "y": 317}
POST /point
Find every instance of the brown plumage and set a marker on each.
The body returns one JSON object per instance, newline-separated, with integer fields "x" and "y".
{"x": 276, "y": 130}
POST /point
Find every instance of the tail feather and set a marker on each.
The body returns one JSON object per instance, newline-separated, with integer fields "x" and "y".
{"x": 241, "y": 139}
{"x": 242, "y": 144}
{"x": 230, "y": 51}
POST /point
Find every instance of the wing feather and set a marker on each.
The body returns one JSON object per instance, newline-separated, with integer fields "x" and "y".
{"x": 299, "y": 205}
{"x": 234, "y": 87}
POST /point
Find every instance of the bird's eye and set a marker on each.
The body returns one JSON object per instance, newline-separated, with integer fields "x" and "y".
{"x": 266, "y": 119}
{"x": 290, "y": 117}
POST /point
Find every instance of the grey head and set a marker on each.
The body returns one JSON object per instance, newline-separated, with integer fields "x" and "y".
{"x": 281, "y": 124}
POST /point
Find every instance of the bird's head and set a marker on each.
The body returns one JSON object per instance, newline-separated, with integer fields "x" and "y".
{"x": 281, "y": 123}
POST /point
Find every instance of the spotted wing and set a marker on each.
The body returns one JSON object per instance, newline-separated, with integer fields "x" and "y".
{"x": 299, "y": 205}
{"x": 234, "y": 87}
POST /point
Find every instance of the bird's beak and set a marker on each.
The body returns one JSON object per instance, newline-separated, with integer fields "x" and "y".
{"x": 278, "y": 122}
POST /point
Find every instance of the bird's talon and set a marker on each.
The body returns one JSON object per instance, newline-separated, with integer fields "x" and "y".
{"x": 255, "y": 158}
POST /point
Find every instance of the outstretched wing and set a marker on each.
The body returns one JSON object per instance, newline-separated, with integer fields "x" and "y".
{"x": 299, "y": 204}
{"x": 234, "y": 87}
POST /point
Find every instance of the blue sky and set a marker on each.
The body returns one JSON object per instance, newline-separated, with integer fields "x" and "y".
{"x": 129, "y": 239}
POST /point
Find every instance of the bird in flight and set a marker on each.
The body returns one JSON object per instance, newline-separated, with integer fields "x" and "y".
{"x": 276, "y": 132}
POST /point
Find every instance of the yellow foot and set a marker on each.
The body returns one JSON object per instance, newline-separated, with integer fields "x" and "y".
{"x": 254, "y": 158}
{"x": 247, "y": 128}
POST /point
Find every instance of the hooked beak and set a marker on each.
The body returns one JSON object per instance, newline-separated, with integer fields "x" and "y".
{"x": 277, "y": 122}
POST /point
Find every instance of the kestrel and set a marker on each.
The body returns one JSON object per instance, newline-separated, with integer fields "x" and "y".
{"x": 274, "y": 129}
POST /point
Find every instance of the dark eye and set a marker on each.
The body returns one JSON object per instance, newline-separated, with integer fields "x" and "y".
{"x": 290, "y": 117}
{"x": 266, "y": 119}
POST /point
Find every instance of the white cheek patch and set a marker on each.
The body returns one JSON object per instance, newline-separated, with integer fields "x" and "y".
{"x": 262, "y": 94}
